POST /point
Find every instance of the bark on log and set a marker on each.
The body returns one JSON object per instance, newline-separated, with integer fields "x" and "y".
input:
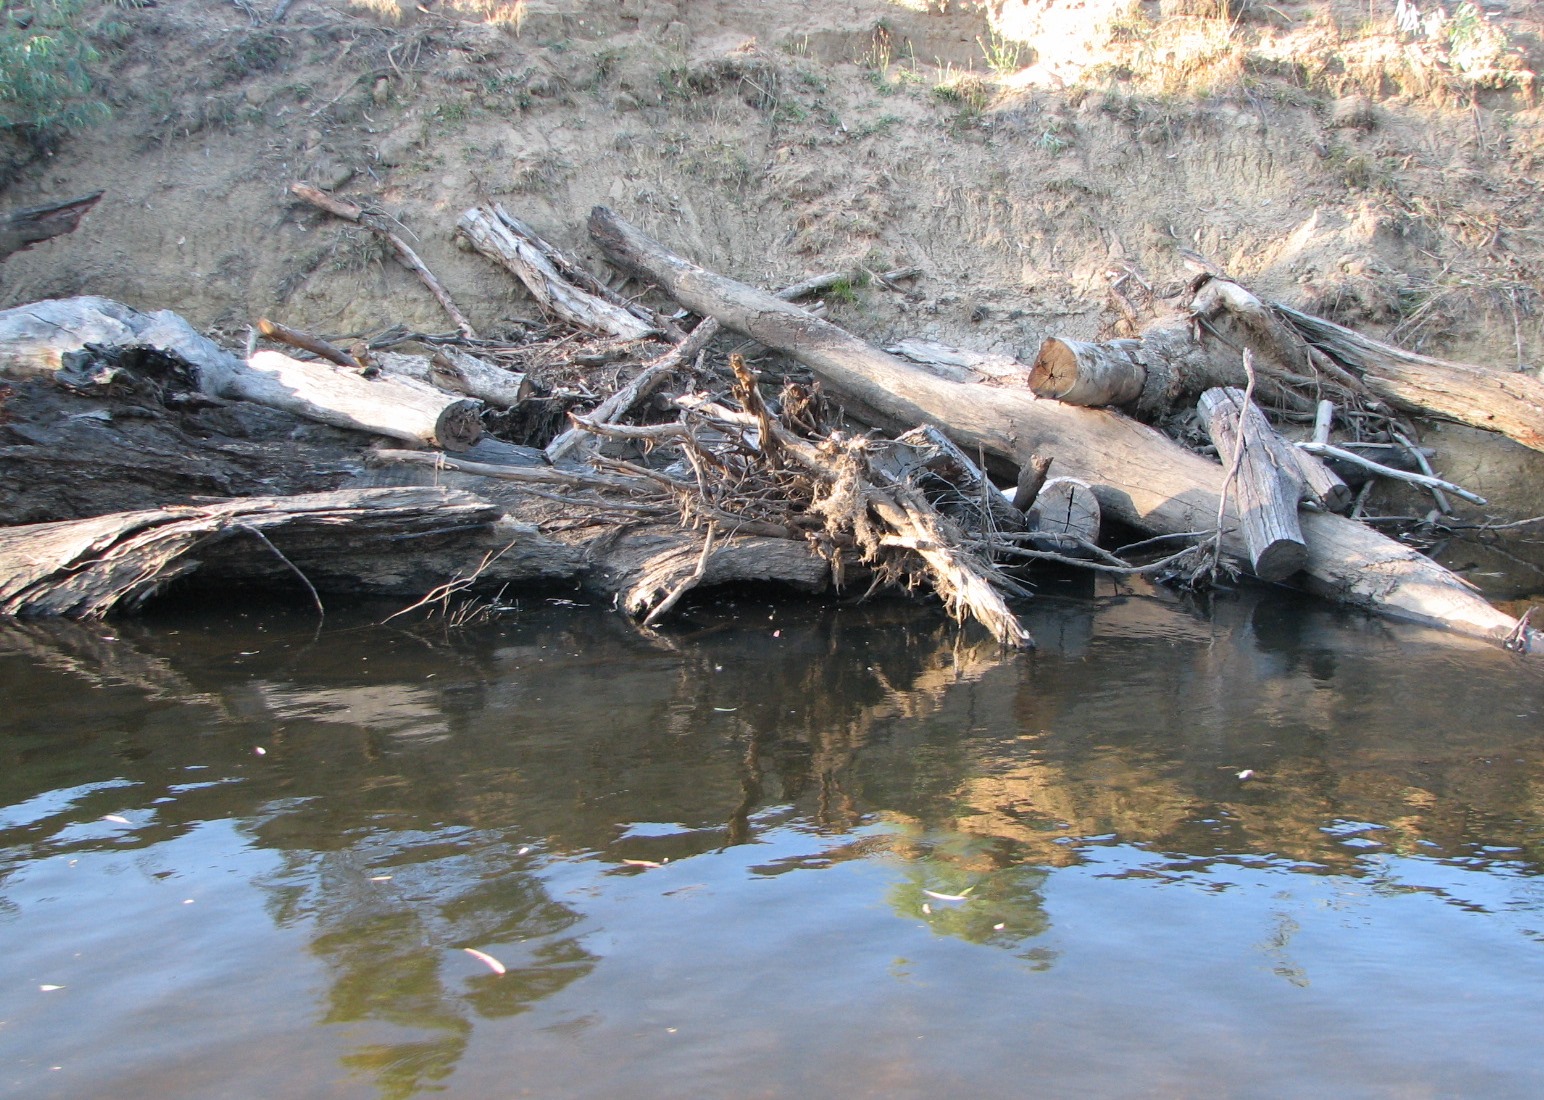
{"x": 1172, "y": 363}
{"x": 1140, "y": 476}
{"x": 88, "y": 568}
{"x": 1066, "y": 512}
{"x": 1497, "y": 401}
{"x": 1266, "y": 485}
{"x": 21, "y": 229}
{"x": 530, "y": 264}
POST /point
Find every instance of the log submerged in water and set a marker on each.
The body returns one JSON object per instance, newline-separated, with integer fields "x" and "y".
{"x": 1140, "y": 476}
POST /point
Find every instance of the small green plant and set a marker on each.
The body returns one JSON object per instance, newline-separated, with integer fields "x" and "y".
{"x": 842, "y": 292}
{"x": 1003, "y": 56}
{"x": 45, "y": 68}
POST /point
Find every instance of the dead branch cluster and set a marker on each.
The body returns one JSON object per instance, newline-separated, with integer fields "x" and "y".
{"x": 615, "y": 414}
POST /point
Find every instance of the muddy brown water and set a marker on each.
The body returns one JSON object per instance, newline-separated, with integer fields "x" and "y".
{"x": 1257, "y": 848}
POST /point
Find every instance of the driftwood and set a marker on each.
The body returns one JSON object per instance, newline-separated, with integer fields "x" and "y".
{"x": 531, "y": 263}
{"x": 88, "y": 568}
{"x": 391, "y": 406}
{"x": 1140, "y": 476}
{"x": 1266, "y": 483}
{"x": 349, "y": 211}
{"x": 306, "y": 342}
{"x": 21, "y": 229}
{"x": 1172, "y": 363}
{"x": 1497, "y": 401}
{"x": 42, "y": 338}
{"x": 1065, "y": 517}
{"x": 456, "y": 371}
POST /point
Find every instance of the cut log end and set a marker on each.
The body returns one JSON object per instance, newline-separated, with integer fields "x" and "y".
{"x": 1055, "y": 371}
{"x": 1280, "y": 560}
{"x": 459, "y": 425}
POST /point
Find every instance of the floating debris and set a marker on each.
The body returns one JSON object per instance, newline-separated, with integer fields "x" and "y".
{"x": 964, "y": 896}
{"x": 487, "y": 960}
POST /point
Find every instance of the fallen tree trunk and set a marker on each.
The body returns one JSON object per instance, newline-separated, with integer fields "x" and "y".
{"x": 1140, "y": 476}
{"x": 45, "y": 337}
{"x": 529, "y": 262}
{"x": 1497, "y": 401}
{"x": 1265, "y": 483}
{"x": 88, "y": 568}
{"x": 21, "y": 229}
{"x": 400, "y": 408}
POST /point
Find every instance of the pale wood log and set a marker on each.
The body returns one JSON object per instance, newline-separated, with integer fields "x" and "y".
{"x": 1496, "y": 401}
{"x": 1266, "y": 490}
{"x": 1140, "y": 476}
{"x": 455, "y": 371}
{"x": 1171, "y": 363}
{"x": 531, "y": 265}
{"x": 575, "y": 273}
{"x": 21, "y": 229}
{"x": 1065, "y": 516}
{"x": 35, "y": 340}
{"x": 399, "y": 408}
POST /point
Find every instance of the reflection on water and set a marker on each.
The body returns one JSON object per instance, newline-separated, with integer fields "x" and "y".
{"x": 1259, "y": 848}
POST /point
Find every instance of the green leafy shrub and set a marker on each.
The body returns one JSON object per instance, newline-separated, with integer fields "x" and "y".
{"x": 45, "y": 63}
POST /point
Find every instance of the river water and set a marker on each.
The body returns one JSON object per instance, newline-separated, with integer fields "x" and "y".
{"x": 1260, "y": 848}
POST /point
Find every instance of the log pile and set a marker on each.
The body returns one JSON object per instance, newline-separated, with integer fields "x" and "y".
{"x": 608, "y": 448}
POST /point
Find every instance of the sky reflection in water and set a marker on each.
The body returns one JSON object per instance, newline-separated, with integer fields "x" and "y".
{"x": 777, "y": 851}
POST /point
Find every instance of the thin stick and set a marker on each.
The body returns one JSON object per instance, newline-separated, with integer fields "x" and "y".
{"x": 1238, "y": 458}
{"x": 306, "y": 342}
{"x": 342, "y": 208}
{"x": 1325, "y": 450}
{"x": 1443, "y": 505}
{"x": 687, "y": 583}
{"x": 311, "y": 588}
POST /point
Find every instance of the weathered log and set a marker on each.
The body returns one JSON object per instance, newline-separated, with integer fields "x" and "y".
{"x": 1065, "y": 517}
{"x": 88, "y": 568}
{"x": 1497, "y": 401}
{"x": 1266, "y": 487}
{"x": 1172, "y": 363}
{"x": 37, "y": 340}
{"x": 21, "y": 229}
{"x": 1140, "y": 476}
{"x": 399, "y": 408}
{"x": 529, "y": 263}
{"x": 456, "y": 371}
